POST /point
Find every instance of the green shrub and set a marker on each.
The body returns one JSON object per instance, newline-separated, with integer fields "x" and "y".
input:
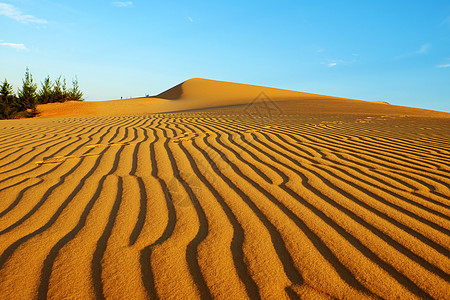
{"x": 27, "y": 94}
{"x": 7, "y": 100}
{"x": 57, "y": 92}
{"x": 45, "y": 94}
{"x": 74, "y": 93}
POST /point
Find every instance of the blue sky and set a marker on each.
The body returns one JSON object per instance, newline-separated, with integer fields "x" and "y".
{"x": 395, "y": 51}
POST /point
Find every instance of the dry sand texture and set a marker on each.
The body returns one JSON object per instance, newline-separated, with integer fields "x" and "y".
{"x": 311, "y": 197}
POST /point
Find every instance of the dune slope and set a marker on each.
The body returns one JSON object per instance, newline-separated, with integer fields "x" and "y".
{"x": 200, "y": 93}
{"x": 276, "y": 199}
{"x": 194, "y": 93}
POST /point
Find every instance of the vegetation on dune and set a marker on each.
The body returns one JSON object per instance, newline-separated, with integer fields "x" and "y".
{"x": 7, "y": 100}
{"x": 46, "y": 94}
{"x": 23, "y": 104}
{"x": 26, "y": 96}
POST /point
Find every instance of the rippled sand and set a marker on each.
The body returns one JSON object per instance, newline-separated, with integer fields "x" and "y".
{"x": 312, "y": 197}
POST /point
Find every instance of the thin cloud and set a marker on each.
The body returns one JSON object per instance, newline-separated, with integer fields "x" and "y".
{"x": 14, "y": 46}
{"x": 443, "y": 66}
{"x": 335, "y": 62}
{"x": 330, "y": 64}
{"x": 421, "y": 51}
{"x": 190, "y": 19}
{"x": 16, "y": 14}
{"x": 122, "y": 3}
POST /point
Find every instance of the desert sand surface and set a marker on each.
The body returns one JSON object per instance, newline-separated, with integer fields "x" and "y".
{"x": 225, "y": 191}
{"x": 198, "y": 93}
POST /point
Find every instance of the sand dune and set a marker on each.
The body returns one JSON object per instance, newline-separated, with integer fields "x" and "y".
{"x": 200, "y": 93}
{"x": 289, "y": 196}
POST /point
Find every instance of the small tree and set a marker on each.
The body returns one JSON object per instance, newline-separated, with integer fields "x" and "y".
{"x": 45, "y": 93}
{"x": 65, "y": 91}
{"x": 7, "y": 100}
{"x": 27, "y": 94}
{"x": 57, "y": 93}
{"x": 74, "y": 93}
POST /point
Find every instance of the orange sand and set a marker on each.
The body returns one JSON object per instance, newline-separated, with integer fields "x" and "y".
{"x": 214, "y": 190}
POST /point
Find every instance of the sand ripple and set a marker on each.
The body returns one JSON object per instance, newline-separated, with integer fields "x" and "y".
{"x": 214, "y": 205}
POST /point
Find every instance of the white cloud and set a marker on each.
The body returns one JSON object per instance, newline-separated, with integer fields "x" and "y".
{"x": 423, "y": 49}
{"x": 330, "y": 63}
{"x": 333, "y": 62}
{"x": 190, "y": 19}
{"x": 443, "y": 66}
{"x": 338, "y": 62}
{"x": 122, "y": 3}
{"x": 14, "y": 13}
{"x": 14, "y": 46}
